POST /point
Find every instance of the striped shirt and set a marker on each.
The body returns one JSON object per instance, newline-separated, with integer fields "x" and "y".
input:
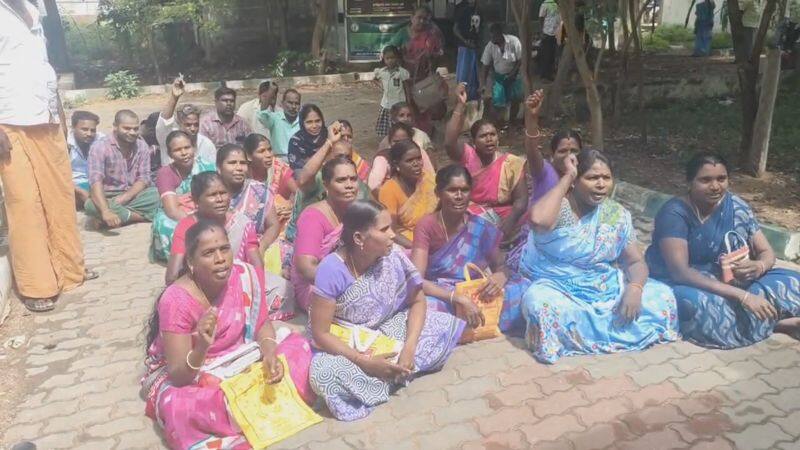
{"x": 117, "y": 173}
{"x": 221, "y": 133}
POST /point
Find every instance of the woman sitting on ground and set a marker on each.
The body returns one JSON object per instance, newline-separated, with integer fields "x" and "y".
{"x": 319, "y": 226}
{"x": 499, "y": 191}
{"x": 173, "y": 182}
{"x": 381, "y": 168}
{"x": 540, "y": 174}
{"x": 370, "y": 283}
{"x": 580, "y": 301}
{"x": 247, "y": 196}
{"x": 312, "y": 137}
{"x": 408, "y": 195}
{"x": 267, "y": 169}
{"x": 214, "y": 307}
{"x": 688, "y": 240}
{"x": 213, "y": 203}
{"x": 362, "y": 165}
{"x": 446, "y": 240}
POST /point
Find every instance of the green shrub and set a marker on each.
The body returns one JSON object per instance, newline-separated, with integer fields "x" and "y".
{"x": 674, "y": 34}
{"x": 293, "y": 63}
{"x": 655, "y": 43}
{"x": 721, "y": 40}
{"x": 122, "y": 84}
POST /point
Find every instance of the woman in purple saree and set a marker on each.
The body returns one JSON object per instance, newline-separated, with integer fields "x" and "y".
{"x": 369, "y": 285}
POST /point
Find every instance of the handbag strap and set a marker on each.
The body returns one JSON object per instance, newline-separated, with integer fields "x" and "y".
{"x": 472, "y": 266}
{"x": 729, "y": 244}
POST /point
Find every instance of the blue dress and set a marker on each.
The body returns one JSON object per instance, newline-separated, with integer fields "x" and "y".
{"x": 571, "y": 307}
{"x": 708, "y": 319}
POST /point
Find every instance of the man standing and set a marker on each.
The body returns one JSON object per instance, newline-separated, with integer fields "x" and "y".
{"x": 188, "y": 121}
{"x": 467, "y": 30}
{"x": 119, "y": 175}
{"x": 503, "y": 55}
{"x": 551, "y": 22}
{"x": 46, "y": 254}
{"x": 80, "y": 138}
{"x": 283, "y": 124}
{"x": 223, "y": 125}
{"x": 249, "y": 109}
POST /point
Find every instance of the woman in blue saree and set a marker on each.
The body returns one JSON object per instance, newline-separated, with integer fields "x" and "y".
{"x": 591, "y": 292}
{"x": 369, "y": 286}
{"x": 688, "y": 240}
{"x": 446, "y": 240}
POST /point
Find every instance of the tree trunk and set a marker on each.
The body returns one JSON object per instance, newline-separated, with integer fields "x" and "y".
{"x": 283, "y": 15}
{"x": 521, "y": 10}
{"x": 637, "y": 57}
{"x": 762, "y": 128}
{"x": 568, "y": 13}
{"x": 552, "y": 101}
{"x": 323, "y": 11}
{"x": 151, "y": 50}
{"x": 748, "y": 61}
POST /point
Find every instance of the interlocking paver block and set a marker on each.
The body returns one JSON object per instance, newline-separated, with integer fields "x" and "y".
{"x": 510, "y": 440}
{"x": 697, "y": 362}
{"x": 654, "y": 394}
{"x": 77, "y": 421}
{"x": 758, "y": 437}
{"x": 608, "y": 387}
{"x": 699, "y": 381}
{"x": 56, "y": 441}
{"x": 790, "y": 424}
{"x": 746, "y": 389}
{"x": 451, "y": 436}
{"x": 408, "y": 405}
{"x": 550, "y": 429}
{"x": 659, "y": 440}
{"x": 505, "y": 419}
{"x": 334, "y": 444}
{"x": 557, "y": 403}
{"x": 655, "y": 374}
{"x": 782, "y": 378}
{"x": 603, "y": 411}
{"x": 786, "y": 357}
{"x": 513, "y": 395}
{"x": 719, "y": 443}
{"x": 600, "y": 436}
{"x": 703, "y": 426}
{"x": 462, "y": 411}
{"x": 751, "y": 412}
{"x": 612, "y": 366}
{"x": 118, "y": 426}
{"x": 472, "y": 388}
{"x": 524, "y": 375}
{"x": 652, "y": 418}
{"x": 700, "y": 403}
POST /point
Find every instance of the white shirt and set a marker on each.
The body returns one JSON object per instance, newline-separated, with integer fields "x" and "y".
{"x": 503, "y": 60}
{"x": 27, "y": 81}
{"x": 205, "y": 148}
{"x": 552, "y": 18}
{"x": 248, "y": 111}
{"x": 392, "y": 82}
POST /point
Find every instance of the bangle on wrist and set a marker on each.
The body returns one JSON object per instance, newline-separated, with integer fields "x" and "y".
{"x": 636, "y": 285}
{"x": 452, "y": 293}
{"x": 268, "y": 339}
{"x": 189, "y": 363}
{"x": 745, "y": 297}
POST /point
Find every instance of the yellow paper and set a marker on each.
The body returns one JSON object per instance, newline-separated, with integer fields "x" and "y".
{"x": 380, "y": 346}
{"x": 267, "y": 413}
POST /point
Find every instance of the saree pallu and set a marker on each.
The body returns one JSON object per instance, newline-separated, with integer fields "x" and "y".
{"x": 571, "y": 307}
{"x": 475, "y": 244}
{"x": 493, "y": 185}
{"x": 163, "y": 226}
{"x": 196, "y": 416}
{"x": 301, "y": 287}
{"x": 253, "y": 201}
{"x": 421, "y": 203}
{"x": 708, "y": 319}
{"x": 378, "y": 300}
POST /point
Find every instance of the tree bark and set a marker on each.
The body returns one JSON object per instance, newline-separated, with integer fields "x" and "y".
{"x": 521, "y": 10}
{"x": 748, "y": 69}
{"x": 636, "y": 16}
{"x": 552, "y": 101}
{"x": 568, "y": 13}
{"x": 323, "y": 10}
{"x": 762, "y": 128}
{"x": 151, "y": 50}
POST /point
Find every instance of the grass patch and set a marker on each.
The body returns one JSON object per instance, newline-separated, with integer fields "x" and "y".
{"x": 685, "y": 127}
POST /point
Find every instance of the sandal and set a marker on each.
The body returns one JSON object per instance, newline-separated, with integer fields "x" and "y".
{"x": 40, "y": 304}
{"x": 89, "y": 274}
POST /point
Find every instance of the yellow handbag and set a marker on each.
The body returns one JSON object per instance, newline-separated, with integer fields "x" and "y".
{"x": 490, "y": 308}
{"x": 267, "y": 413}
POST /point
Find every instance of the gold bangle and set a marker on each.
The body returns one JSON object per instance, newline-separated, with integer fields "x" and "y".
{"x": 636, "y": 285}
{"x": 268, "y": 339}
{"x": 452, "y": 293}
{"x": 188, "y": 363}
{"x": 538, "y": 134}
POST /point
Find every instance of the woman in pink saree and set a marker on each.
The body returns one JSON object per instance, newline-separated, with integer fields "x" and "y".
{"x": 499, "y": 192}
{"x": 217, "y": 305}
{"x": 320, "y": 226}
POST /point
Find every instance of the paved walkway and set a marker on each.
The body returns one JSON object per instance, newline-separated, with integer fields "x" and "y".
{"x": 84, "y": 361}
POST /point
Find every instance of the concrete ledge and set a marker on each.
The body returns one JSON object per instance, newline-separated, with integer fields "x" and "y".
{"x": 82, "y": 95}
{"x": 646, "y": 202}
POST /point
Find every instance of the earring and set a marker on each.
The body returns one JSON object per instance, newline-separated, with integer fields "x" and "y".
{"x": 361, "y": 246}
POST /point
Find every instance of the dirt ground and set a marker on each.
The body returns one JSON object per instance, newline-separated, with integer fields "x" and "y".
{"x": 776, "y": 198}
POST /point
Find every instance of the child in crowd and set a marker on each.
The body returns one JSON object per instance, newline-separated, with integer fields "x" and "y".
{"x": 391, "y": 78}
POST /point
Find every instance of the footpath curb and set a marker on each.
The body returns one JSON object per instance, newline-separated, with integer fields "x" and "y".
{"x": 646, "y": 202}
{"x": 81, "y": 95}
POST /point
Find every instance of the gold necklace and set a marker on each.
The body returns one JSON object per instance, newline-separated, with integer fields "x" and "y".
{"x": 444, "y": 227}
{"x": 352, "y": 264}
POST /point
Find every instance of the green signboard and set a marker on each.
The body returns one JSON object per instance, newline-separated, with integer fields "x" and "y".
{"x": 367, "y": 36}
{"x": 380, "y": 7}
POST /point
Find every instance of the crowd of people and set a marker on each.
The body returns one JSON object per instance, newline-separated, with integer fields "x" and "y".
{"x": 260, "y": 226}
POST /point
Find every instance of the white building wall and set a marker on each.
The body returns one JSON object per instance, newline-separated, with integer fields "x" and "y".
{"x": 674, "y": 13}
{"x": 78, "y": 7}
